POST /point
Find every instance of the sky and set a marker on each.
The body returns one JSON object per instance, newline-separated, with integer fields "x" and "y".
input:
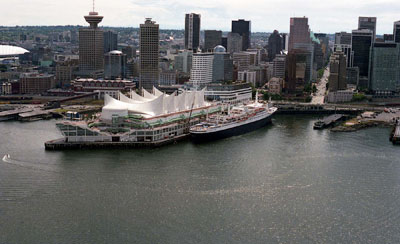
{"x": 265, "y": 15}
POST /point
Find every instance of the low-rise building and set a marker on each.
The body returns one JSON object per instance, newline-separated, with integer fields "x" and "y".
{"x": 275, "y": 85}
{"x": 248, "y": 76}
{"x": 109, "y": 87}
{"x": 232, "y": 93}
{"x": 167, "y": 78}
{"x": 34, "y": 83}
{"x": 340, "y": 96}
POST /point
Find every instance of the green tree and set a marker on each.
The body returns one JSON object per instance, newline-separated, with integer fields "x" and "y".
{"x": 307, "y": 88}
{"x": 321, "y": 73}
{"x": 314, "y": 89}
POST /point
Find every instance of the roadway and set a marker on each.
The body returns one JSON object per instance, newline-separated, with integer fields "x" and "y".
{"x": 319, "y": 96}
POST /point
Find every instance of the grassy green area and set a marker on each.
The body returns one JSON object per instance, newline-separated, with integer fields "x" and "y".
{"x": 358, "y": 97}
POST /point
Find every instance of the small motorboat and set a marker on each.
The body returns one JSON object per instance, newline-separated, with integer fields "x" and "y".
{"x": 7, "y": 156}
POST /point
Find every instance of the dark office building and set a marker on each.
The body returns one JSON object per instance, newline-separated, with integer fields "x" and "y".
{"x": 110, "y": 41}
{"x": 224, "y": 42}
{"x": 192, "y": 31}
{"x": 385, "y": 68}
{"x": 212, "y": 38}
{"x": 396, "y": 31}
{"x": 368, "y": 23}
{"x": 361, "y": 44}
{"x": 296, "y": 71}
{"x": 243, "y": 28}
{"x": 388, "y": 38}
{"x": 274, "y": 45}
{"x": 343, "y": 38}
{"x": 299, "y": 32}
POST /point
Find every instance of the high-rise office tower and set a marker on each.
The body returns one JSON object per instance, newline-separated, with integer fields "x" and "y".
{"x": 299, "y": 32}
{"x": 396, "y": 31}
{"x": 202, "y": 69}
{"x": 149, "y": 52}
{"x": 346, "y": 49}
{"x": 343, "y": 38}
{"x": 192, "y": 31}
{"x": 361, "y": 43}
{"x": 242, "y": 60}
{"x": 368, "y": 23}
{"x": 285, "y": 41}
{"x": 183, "y": 61}
{"x": 385, "y": 68}
{"x": 222, "y": 65}
{"x": 274, "y": 45}
{"x": 234, "y": 42}
{"x": 114, "y": 65}
{"x": 212, "y": 38}
{"x": 279, "y": 66}
{"x": 337, "y": 78}
{"x": 296, "y": 71}
{"x": 91, "y": 49}
{"x": 110, "y": 41}
{"x": 300, "y": 41}
{"x": 243, "y": 28}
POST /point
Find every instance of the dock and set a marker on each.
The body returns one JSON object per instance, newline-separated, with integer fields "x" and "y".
{"x": 13, "y": 114}
{"x": 62, "y": 144}
{"x": 328, "y": 121}
{"x": 395, "y": 136}
{"x": 35, "y": 115}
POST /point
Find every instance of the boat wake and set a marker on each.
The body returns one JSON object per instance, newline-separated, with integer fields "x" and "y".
{"x": 35, "y": 166}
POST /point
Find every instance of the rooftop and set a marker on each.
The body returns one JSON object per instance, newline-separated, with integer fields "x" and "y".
{"x": 7, "y": 51}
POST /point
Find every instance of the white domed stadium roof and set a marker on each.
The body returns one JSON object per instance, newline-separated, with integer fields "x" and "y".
{"x": 6, "y": 51}
{"x": 115, "y": 52}
{"x": 219, "y": 49}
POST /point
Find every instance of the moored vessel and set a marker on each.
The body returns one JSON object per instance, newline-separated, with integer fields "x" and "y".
{"x": 237, "y": 121}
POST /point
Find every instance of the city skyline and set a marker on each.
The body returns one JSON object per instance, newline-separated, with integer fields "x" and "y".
{"x": 265, "y": 16}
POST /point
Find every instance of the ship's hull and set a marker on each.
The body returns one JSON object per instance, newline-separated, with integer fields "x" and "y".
{"x": 200, "y": 137}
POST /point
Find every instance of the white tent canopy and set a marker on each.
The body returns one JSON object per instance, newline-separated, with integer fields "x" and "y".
{"x": 152, "y": 105}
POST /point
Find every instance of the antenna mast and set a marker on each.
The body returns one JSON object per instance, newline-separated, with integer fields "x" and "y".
{"x": 93, "y": 5}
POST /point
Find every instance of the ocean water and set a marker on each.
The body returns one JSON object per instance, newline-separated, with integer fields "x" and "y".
{"x": 285, "y": 183}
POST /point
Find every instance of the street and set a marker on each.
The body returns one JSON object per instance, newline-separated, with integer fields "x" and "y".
{"x": 318, "y": 98}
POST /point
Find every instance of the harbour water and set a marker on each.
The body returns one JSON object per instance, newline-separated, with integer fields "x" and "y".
{"x": 285, "y": 183}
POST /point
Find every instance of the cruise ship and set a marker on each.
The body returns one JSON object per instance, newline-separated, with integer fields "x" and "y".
{"x": 238, "y": 120}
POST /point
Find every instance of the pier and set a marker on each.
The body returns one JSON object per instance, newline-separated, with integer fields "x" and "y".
{"x": 395, "y": 137}
{"x": 35, "y": 115}
{"x": 13, "y": 114}
{"x": 62, "y": 144}
{"x": 307, "y": 108}
{"x": 328, "y": 121}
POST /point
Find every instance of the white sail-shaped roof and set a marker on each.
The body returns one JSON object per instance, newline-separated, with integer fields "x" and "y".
{"x": 190, "y": 100}
{"x": 126, "y": 99}
{"x": 148, "y": 95}
{"x": 199, "y": 99}
{"x": 169, "y": 104}
{"x": 156, "y": 92}
{"x": 180, "y": 102}
{"x": 136, "y": 97}
{"x": 160, "y": 105}
{"x": 115, "y": 107}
